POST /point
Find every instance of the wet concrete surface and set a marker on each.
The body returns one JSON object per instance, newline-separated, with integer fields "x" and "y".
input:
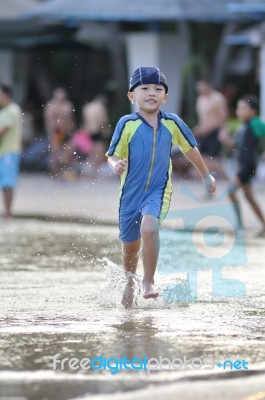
{"x": 60, "y": 290}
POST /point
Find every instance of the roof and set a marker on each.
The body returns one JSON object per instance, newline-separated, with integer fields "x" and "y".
{"x": 11, "y": 9}
{"x": 252, "y": 36}
{"x": 136, "y": 10}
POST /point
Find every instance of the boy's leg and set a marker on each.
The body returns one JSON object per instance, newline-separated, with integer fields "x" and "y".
{"x": 130, "y": 256}
{"x": 8, "y": 199}
{"x": 150, "y": 250}
{"x": 233, "y": 197}
{"x": 256, "y": 208}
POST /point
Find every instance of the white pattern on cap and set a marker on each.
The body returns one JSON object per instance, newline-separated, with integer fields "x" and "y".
{"x": 141, "y": 78}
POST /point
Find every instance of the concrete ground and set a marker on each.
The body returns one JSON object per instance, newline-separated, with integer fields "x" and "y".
{"x": 241, "y": 388}
{"x": 96, "y": 200}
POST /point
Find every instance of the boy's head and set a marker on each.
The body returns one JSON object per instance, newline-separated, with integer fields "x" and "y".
{"x": 147, "y": 75}
{"x": 148, "y": 89}
{"x": 247, "y": 108}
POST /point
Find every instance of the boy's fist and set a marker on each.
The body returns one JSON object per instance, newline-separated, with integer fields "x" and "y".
{"x": 209, "y": 183}
{"x": 120, "y": 166}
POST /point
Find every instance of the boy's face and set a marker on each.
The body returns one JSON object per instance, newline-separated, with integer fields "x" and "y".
{"x": 244, "y": 112}
{"x": 148, "y": 97}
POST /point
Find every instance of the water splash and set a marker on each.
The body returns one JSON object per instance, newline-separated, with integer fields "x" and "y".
{"x": 110, "y": 295}
{"x": 172, "y": 289}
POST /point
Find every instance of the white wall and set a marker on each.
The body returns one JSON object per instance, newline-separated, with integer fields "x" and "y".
{"x": 166, "y": 51}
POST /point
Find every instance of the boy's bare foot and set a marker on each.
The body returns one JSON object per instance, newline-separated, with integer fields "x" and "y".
{"x": 149, "y": 291}
{"x": 128, "y": 295}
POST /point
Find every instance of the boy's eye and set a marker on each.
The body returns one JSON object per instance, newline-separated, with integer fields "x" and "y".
{"x": 159, "y": 89}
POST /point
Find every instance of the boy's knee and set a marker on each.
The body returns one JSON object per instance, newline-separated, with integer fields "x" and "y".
{"x": 131, "y": 249}
{"x": 130, "y": 253}
{"x": 149, "y": 226}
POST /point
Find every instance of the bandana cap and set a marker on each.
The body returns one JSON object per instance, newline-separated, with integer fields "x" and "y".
{"x": 145, "y": 75}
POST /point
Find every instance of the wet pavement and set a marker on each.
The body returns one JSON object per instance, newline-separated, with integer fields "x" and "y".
{"x": 60, "y": 290}
{"x": 96, "y": 200}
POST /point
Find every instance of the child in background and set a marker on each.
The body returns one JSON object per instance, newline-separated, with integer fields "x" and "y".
{"x": 245, "y": 147}
{"x": 140, "y": 153}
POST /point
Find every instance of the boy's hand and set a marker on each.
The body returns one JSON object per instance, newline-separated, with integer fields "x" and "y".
{"x": 209, "y": 182}
{"x": 120, "y": 166}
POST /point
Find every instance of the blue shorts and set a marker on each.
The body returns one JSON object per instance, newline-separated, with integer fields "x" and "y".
{"x": 9, "y": 167}
{"x": 130, "y": 223}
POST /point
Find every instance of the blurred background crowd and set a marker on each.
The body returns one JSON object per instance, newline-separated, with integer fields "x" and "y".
{"x": 68, "y": 64}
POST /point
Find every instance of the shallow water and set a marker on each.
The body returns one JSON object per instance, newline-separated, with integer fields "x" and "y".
{"x": 60, "y": 291}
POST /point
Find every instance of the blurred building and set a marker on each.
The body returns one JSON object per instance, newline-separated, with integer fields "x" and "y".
{"x": 93, "y": 46}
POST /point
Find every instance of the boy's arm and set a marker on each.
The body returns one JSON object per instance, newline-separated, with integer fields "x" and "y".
{"x": 194, "y": 156}
{"x": 118, "y": 166}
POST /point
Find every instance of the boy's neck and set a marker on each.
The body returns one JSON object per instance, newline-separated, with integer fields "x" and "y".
{"x": 151, "y": 118}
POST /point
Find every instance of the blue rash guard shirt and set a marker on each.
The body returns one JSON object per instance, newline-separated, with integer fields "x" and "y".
{"x": 146, "y": 184}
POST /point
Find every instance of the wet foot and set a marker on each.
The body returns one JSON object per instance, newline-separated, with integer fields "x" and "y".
{"x": 149, "y": 291}
{"x": 128, "y": 295}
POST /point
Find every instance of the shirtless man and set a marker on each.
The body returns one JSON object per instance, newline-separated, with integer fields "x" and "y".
{"x": 212, "y": 112}
{"x": 59, "y": 123}
{"x": 95, "y": 118}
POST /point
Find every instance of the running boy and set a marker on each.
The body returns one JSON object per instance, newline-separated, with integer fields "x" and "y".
{"x": 245, "y": 148}
{"x": 140, "y": 152}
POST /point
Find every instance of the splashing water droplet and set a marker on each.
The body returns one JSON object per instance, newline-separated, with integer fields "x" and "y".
{"x": 110, "y": 295}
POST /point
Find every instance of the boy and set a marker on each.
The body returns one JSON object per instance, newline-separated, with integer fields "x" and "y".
{"x": 140, "y": 152}
{"x": 245, "y": 147}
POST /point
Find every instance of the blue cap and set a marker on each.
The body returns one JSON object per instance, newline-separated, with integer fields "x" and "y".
{"x": 145, "y": 75}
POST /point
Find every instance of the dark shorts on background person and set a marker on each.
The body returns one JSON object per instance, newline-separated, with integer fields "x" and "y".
{"x": 210, "y": 145}
{"x": 245, "y": 174}
{"x": 9, "y": 168}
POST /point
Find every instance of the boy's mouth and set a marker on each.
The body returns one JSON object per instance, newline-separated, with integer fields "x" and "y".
{"x": 151, "y": 101}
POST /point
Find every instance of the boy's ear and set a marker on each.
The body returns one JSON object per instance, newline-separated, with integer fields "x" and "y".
{"x": 130, "y": 96}
{"x": 165, "y": 97}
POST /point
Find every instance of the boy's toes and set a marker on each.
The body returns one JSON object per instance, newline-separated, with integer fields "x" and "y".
{"x": 149, "y": 292}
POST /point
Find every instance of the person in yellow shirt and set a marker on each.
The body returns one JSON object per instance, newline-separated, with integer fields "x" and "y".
{"x": 10, "y": 145}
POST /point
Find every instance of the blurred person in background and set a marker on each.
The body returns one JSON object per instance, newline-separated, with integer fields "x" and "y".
{"x": 212, "y": 112}
{"x": 59, "y": 123}
{"x": 96, "y": 124}
{"x": 245, "y": 147}
{"x": 78, "y": 153}
{"x": 28, "y": 131}
{"x": 10, "y": 145}
{"x": 35, "y": 156}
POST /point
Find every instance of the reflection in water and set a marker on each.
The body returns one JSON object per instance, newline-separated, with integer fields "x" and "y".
{"x": 50, "y": 278}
